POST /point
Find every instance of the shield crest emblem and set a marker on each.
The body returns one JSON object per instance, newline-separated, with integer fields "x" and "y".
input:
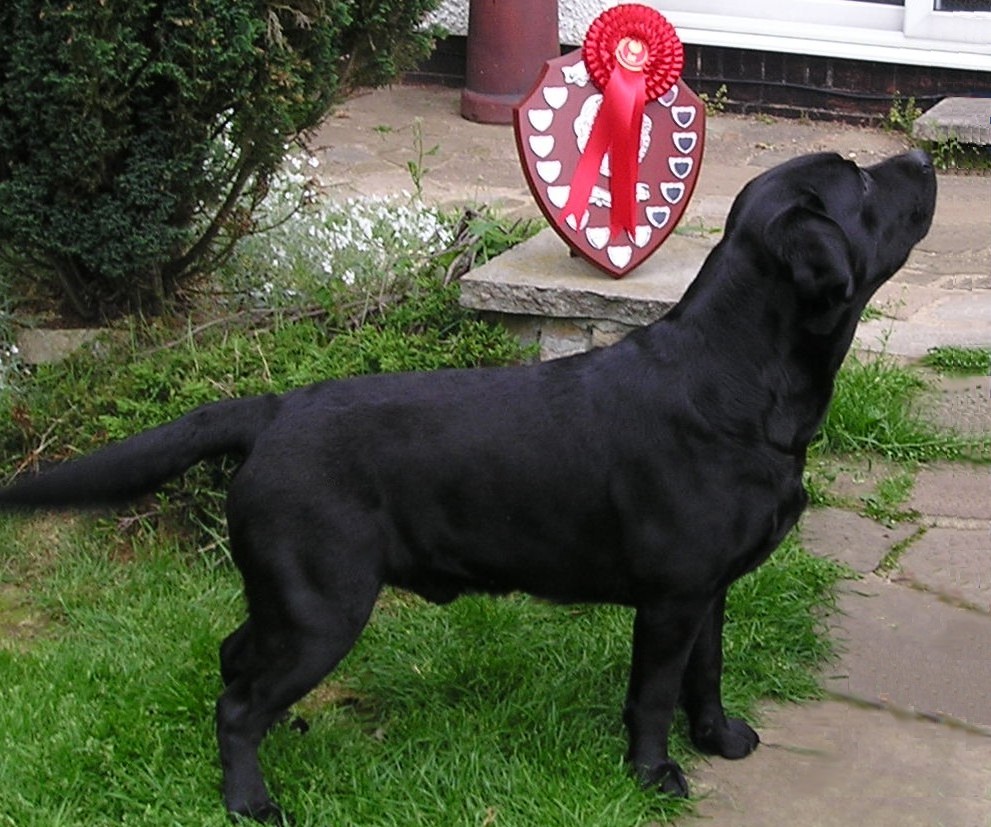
{"x": 612, "y": 211}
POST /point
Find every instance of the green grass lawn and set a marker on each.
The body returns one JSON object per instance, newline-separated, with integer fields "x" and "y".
{"x": 502, "y": 711}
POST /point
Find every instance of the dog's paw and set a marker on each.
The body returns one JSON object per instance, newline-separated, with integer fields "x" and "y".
{"x": 299, "y": 724}
{"x": 733, "y": 739}
{"x": 666, "y": 777}
{"x": 267, "y": 812}
{"x": 293, "y": 722}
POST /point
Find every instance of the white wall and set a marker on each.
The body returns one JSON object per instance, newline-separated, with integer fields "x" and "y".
{"x": 575, "y": 16}
{"x": 909, "y": 34}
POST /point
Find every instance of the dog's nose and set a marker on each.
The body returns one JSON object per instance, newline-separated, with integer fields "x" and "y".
{"x": 922, "y": 159}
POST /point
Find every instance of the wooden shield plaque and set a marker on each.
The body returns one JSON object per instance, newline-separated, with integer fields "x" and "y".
{"x": 611, "y": 191}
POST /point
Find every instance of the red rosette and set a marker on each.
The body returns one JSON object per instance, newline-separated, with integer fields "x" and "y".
{"x": 633, "y": 55}
{"x": 664, "y": 53}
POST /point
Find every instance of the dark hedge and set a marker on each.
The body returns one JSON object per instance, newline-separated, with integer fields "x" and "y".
{"x": 135, "y": 134}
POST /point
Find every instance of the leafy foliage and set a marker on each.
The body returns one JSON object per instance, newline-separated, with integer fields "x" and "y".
{"x": 134, "y": 134}
{"x": 902, "y": 115}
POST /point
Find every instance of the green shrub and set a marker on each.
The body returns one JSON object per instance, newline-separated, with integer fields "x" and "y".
{"x": 135, "y": 135}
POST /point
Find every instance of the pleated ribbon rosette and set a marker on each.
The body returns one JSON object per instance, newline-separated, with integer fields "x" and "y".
{"x": 611, "y": 139}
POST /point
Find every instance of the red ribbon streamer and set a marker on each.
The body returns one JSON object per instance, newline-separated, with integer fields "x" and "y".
{"x": 617, "y": 131}
{"x": 625, "y": 92}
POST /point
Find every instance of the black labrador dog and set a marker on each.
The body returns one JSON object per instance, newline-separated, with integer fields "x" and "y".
{"x": 652, "y": 473}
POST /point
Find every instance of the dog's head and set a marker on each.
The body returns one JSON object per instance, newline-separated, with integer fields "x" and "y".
{"x": 836, "y": 231}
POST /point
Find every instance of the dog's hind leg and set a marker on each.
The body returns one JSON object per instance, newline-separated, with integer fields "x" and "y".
{"x": 711, "y": 731}
{"x": 663, "y": 635}
{"x": 236, "y": 653}
{"x": 286, "y": 649}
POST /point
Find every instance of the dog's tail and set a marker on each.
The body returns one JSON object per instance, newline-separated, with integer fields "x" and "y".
{"x": 142, "y": 463}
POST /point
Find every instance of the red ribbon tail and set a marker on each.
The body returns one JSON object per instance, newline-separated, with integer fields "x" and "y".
{"x": 629, "y": 95}
{"x": 616, "y": 130}
{"x": 587, "y": 171}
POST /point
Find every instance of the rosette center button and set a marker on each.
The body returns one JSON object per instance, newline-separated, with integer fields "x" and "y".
{"x": 631, "y": 54}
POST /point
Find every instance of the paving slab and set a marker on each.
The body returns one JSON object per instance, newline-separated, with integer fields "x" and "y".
{"x": 855, "y": 478}
{"x": 902, "y": 299}
{"x": 952, "y": 562}
{"x": 833, "y": 764}
{"x": 914, "y": 649}
{"x": 855, "y": 541}
{"x": 368, "y": 146}
{"x": 953, "y": 490}
{"x": 961, "y": 404}
{"x": 953, "y": 317}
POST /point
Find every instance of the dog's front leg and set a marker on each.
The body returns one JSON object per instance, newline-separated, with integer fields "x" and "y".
{"x": 663, "y": 636}
{"x": 701, "y": 693}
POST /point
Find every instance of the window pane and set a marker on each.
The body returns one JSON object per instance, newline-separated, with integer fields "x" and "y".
{"x": 962, "y": 5}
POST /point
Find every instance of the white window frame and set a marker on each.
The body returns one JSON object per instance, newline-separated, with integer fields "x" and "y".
{"x": 912, "y": 35}
{"x": 921, "y": 20}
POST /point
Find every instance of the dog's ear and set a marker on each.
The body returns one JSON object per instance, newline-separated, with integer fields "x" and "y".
{"x": 817, "y": 252}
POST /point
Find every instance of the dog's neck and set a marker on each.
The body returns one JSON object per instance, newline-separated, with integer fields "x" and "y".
{"x": 789, "y": 389}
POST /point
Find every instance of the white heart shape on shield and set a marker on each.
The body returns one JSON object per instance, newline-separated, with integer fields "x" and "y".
{"x": 542, "y": 145}
{"x": 540, "y": 119}
{"x": 620, "y": 256}
{"x": 598, "y": 237}
{"x": 577, "y": 225}
{"x": 641, "y": 235}
{"x": 558, "y": 196}
{"x": 549, "y": 170}
{"x": 556, "y": 96}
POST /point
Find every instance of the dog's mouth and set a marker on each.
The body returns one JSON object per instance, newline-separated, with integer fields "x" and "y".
{"x": 909, "y": 178}
{"x": 906, "y": 187}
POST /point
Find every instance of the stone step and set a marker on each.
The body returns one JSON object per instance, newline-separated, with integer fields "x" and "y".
{"x": 543, "y": 294}
{"x": 38, "y": 346}
{"x": 967, "y": 120}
